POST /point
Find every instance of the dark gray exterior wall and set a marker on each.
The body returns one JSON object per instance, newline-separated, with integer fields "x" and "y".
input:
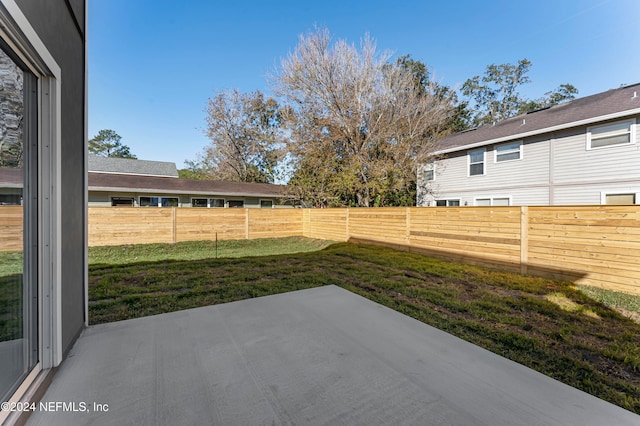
{"x": 60, "y": 25}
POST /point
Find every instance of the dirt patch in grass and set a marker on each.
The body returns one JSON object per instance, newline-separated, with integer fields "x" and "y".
{"x": 512, "y": 315}
{"x": 633, "y": 316}
{"x": 569, "y": 305}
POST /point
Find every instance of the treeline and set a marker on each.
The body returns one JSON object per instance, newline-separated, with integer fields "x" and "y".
{"x": 348, "y": 126}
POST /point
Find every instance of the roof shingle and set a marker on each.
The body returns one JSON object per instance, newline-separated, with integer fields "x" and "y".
{"x": 12, "y": 178}
{"x": 128, "y": 166}
{"x": 565, "y": 115}
{"x": 169, "y": 185}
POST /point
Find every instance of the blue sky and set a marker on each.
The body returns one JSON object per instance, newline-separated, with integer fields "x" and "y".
{"x": 153, "y": 64}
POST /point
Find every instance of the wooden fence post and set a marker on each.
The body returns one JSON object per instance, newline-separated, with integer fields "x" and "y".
{"x": 346, "y": 225}
{"x": 173, "y": 225}
{"x": 524, "y": 239}
{"x": 246, "y": 223}
{"x": 407, "y": 224}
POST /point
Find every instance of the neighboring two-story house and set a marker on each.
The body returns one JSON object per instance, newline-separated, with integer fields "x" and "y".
{"x": 586, "y": 151}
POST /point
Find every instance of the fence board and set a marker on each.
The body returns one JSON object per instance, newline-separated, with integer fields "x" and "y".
{"x": 131, "y": 226}
{"x": 11, "y": 228}
{"x": 274, "y": 223}
{"x": 329, "y": 224}
{"x": 193, "y": 224}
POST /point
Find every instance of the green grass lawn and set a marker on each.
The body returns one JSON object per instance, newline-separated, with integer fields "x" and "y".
{"x": 195, "y": 250}
{"x": 575, "y": 335}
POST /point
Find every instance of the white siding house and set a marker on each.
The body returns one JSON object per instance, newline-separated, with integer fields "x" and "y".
{"x": 141, "y": 183}
{"x": 586, "y": 151}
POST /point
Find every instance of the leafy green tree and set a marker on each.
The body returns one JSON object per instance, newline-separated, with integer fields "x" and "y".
{"x": 194, "y": 171}
{"x": 564, "y": 93}
{"x": 495, "y": 96}
{"x": 107, "y": 144}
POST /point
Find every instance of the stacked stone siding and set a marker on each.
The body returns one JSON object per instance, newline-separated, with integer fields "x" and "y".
{"x": 11, "y": 112}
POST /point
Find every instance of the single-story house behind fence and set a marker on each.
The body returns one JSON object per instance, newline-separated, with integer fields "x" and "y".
{"x": 142, "y": 183}
{"x": 586, "y": 151}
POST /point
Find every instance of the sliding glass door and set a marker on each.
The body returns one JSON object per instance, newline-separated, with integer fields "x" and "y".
{"x": 18, "y": 223}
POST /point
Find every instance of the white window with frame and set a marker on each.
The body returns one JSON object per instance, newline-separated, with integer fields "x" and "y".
{"x": 169, "y": 202}
{"x": 429, "y": 172}
{"x": 448, "y": 203}
{"x": 216, "y": 203}
{"x": 147, "y": 201}
{"x": 508, "y": 152}
{"x": 613, "y": 134}
{"x": 236, "y": 204}
{"x": 492, "y": 201}
{"x": 122, "y": 201}
{"x": 157, "y": 201}
{"x": 200, "y": 202}
{"x": 476, "y": 162}
{"x": 207, "y": 202}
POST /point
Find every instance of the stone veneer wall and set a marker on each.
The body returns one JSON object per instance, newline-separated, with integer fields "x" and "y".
{"x": 11, "y": 112}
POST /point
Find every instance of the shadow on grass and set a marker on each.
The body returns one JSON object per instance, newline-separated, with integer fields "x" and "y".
{"x": 469, "y": 259}
{"x": 10, "y": 307}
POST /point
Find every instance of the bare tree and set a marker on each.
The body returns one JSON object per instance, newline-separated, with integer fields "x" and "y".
{"x": 244, "y": 129}
{"x": 359, "y": 124}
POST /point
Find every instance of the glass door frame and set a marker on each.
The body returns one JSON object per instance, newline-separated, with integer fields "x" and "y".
{"x": 22, "y": 41}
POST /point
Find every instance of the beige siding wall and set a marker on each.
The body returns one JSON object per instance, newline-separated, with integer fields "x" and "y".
{"x": 526, "y": 180}
{"x": 573, "y": 162}
{"x": 593, "y": 193}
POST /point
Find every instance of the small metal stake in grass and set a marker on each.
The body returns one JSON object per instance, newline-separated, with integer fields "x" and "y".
{"x": 216, "y": 245}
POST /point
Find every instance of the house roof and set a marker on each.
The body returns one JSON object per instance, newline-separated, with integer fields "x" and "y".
{"x": 612, "y": 104}
{"x": 12, "y": 178}
{"x": 135, "y": 167}
{"x": 169, "y": 185}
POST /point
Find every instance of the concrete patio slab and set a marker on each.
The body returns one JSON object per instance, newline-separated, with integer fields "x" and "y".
{"x": 322, "y": 356}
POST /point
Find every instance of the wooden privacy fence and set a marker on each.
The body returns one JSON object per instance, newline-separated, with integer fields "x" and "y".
{"x": 595, "y": 245}
{"x": 116, "y": 226}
